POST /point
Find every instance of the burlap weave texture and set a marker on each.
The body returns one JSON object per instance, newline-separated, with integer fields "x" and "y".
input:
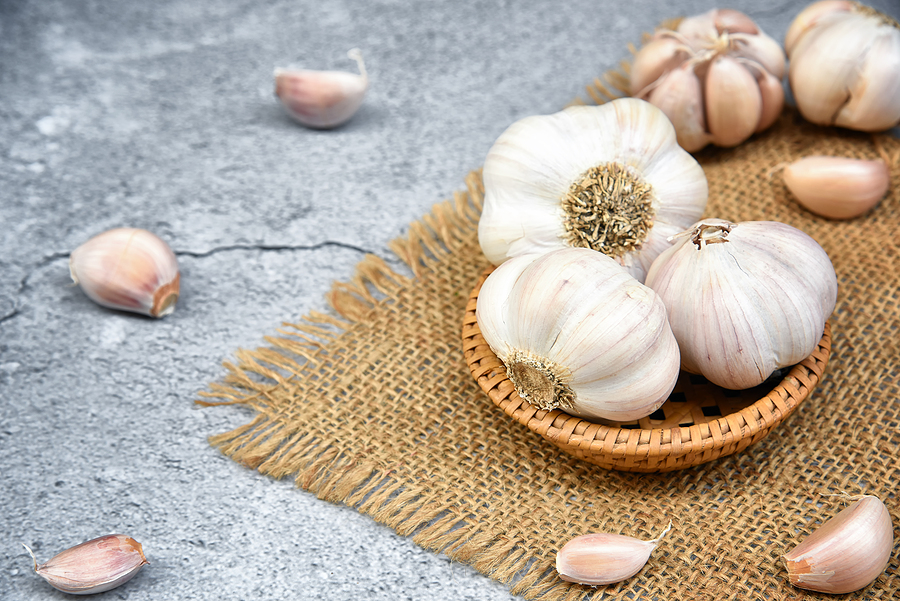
{"x": 377, "y": 409}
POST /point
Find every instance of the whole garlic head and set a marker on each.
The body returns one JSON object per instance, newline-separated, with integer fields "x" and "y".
{"x": 744, "y": 299}
{"x": 717, "y": 76}
{"x": 576, "y": 332}
{"x": 128, "y": 269}
{"x": 845, "y": 65}
{"x": 610, "y": 178}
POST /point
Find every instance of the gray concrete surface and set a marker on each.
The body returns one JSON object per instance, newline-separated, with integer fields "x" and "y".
{"x": 160, "y": 115}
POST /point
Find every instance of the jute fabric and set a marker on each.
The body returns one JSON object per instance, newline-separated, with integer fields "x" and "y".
{"x": 373, "y": 406}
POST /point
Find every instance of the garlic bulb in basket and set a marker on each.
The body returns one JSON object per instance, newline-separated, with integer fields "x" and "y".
{"x": 845, "y": 65}
{"x": 716, "y": 76}
{"x": 576, "y": 332}
{"x": 611, "y": 178}
{"x": 744, "y": 299}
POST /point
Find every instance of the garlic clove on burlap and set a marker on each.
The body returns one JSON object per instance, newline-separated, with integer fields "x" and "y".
{"x": 322, "y": 99}
{"x": 846, "y": 553}
{"x": 576, "y": 332}
{"x": 611, "y": 178}
{"x": 602, "y": 558}
{"x": 845, "y": 66}
{"x": 95, "y": 566}
{"x": 129, "y": 269}
{"x": 838, "y": 187}
{"x": 744, "y": 299}
{"x": 738, "y": 65}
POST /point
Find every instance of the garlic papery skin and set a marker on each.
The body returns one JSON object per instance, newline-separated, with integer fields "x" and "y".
{"x": 838, "y": 187}
{"x": 129, "y": 269}
{"x": 322, "y": 99}
{"x": 94, "y": 566}
{"x": 577, "y": 333}
{"x": 611, "y": 178}
{"x": 603, "y": 558}
{"x": 744, "y": 299}
{"x": 845, "y": 66}
{"x": 846, "y": 553}
{"x": 736, "y": 67}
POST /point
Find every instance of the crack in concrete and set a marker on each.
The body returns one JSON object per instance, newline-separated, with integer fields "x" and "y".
{"x": 23, "y": 283}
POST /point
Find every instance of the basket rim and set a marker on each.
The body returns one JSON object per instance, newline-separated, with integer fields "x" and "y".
{"x": 609, "y": 444}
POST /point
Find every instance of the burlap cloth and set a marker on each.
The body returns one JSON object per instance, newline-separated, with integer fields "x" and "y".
{"x": 377, "y": 409}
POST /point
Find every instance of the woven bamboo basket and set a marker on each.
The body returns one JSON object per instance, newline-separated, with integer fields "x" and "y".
{"x": 698, "y": 423}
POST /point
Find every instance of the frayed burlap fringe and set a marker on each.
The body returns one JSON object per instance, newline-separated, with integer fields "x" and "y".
{"x": 374, "y": 407}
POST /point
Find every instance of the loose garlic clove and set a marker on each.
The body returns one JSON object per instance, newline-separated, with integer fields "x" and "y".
{"x": 577, "y": 333}
{"x": 322, "y": 99}
{"x": 128, "y": 269}
{"x": 738, "y": 308}
{"x": 94, "y": 566}
{"x": 846, "y": 553}
{"x": 655, "y": 58}
{"x": 602, "y": 558}
{"x": 845, "y": 68}
{"x": 680, "y": 96}
{"x": 733, "y": 102}
{"x": 837, "y": 187}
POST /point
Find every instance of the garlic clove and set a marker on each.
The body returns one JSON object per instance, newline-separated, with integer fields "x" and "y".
{"x": 733, "y": 102}
{"x": 772, "y": 96}
{"x": 874, "y": 103}
{"x": 680, "y": 97}
{"x": 846, "y": 553}
{"x": 602, "y": 558}
{"x": 94, "y": 566}
{"x": 699, "y": 29}
{"x": 811, "y": 15}
{"x": 655, "y": 58}
{"x": 732, "y": 21}
{"x": 761, "y": 49}
{"x": 322, "y": 99}
{"x": 837, "y": 187}
{"x": 128, "y": 269}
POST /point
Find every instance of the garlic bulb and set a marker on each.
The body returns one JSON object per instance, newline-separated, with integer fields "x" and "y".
{"x": 610, "y": 178}
{"x": 128, "y": 269}
{"x": 94, "y": 566}
{"x": 576, "y": 332}
{"x": 846, "y": 553}
{"x": 837, "y": 187}
{"x": 716, "y": 76}
{"x": 603, "y": 558}
{"x": 845, "y": 65}
{"x": 322, "y": 99}
{"x": 744, "y": 299}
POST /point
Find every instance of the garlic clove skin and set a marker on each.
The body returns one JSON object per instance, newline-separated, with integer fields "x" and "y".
{"x": 845, "y": 70}
{"x": 679, "y": 95}
{"x": 602, "y": 558}
{"x": 846, "y": 553}
{"x": 539, "y": 165}
{"x": 733, "y": 102}
{"x": 128, "y": 269}
{"x": 576, "y": 332}
{"x": 837, "y": 187}
{"x": 322, "y": 99}
{"x": 95, "y": 566}
{"x": 761, "y": 49}
{"x": 811, "y": 15}
{"x": 658, "y": 56}
{"x": 744, "y": 299}
{"x": 733, "y": 21}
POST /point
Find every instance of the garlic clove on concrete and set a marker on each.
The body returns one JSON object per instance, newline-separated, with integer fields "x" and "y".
{"x": 846, "y": 553}
{"x": 94, "y": 566}
{"x": 837, "y": 187}
{"x": 611, "y": 178}
{"x": 322, "y": 99}
{"x": 602, "y": 558}
{"x": 577, "y": 333}
{"x": 744, "y": 299}
{"x": 128, "y": 269}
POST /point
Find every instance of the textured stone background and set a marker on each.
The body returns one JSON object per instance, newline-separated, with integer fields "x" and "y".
{"x": 160, "y": 115}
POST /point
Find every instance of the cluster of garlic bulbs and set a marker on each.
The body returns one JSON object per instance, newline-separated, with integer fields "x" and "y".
{"x": 845, "y": 65}
{"x": 611, "y": 178}
{"x": 717, "y": 76}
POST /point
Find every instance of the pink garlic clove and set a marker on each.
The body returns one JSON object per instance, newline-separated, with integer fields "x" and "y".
{"x": 837, "y": 187}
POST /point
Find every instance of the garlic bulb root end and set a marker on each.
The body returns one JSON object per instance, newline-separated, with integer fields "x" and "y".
{"x": 540, "y": 382}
